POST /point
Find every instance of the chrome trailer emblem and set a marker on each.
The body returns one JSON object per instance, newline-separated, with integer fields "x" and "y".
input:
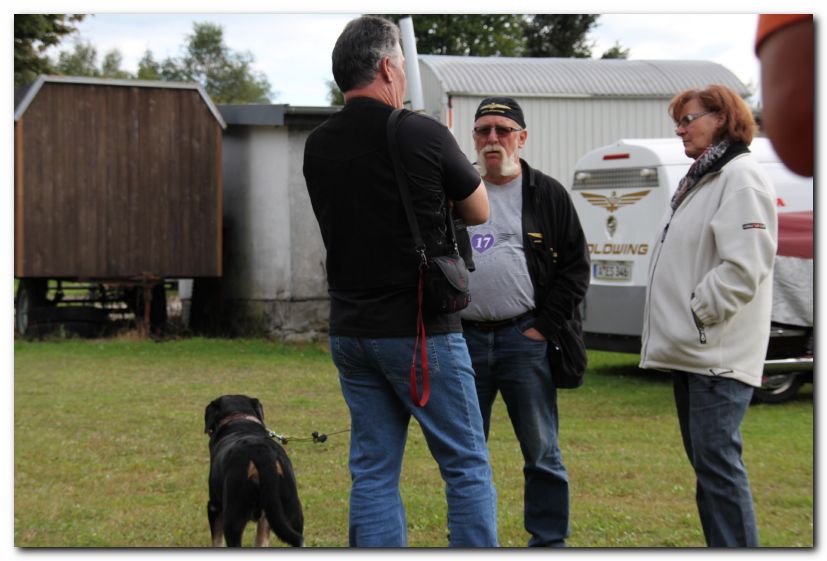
{"x": 611, "y": 225}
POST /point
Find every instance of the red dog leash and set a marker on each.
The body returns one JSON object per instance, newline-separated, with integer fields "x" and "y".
{"x": 418, "y": 400}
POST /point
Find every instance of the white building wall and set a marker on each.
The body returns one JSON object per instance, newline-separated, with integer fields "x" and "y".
{"x": 274, "y": 258}
{"x": 433, "y": 94}
{"x": 308, "y": 277}
{"x": 561, "y": 129}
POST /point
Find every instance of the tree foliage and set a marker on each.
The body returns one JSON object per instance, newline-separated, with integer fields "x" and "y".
{"x": 616, "y": 51}
{"x": 523, "y": 35}
{"x": 559, "y": 35}
{"x": 33, "y": 35}
{"x": 83, "y": 61}
{"x": 111, "y": 65}
{"x": 468, "y": 34}
{"x": 334, "y": 94}
{"x": 526, "y": 35}
{"x": 227, "y": 76}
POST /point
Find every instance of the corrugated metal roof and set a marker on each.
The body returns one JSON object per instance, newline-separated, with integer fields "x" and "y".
{"x": 576, "y": 76}
{"x": 31, "y": 93}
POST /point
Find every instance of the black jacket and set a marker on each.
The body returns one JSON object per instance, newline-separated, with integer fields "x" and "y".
{"x": 555, "y": 250}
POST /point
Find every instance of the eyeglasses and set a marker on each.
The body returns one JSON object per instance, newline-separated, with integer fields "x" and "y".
{"x": 691, "y": 118}
{"x": 502, "y": 132}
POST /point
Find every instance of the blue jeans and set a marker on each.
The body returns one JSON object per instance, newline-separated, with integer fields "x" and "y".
{"x": 508, "y": 362}
{"x": 710, "y": 411}
{"x": 375, "y": 379}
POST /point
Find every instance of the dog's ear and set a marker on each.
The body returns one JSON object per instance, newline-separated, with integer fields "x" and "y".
{"x": 258, "y": 408}
{"x": 211, "y": 417}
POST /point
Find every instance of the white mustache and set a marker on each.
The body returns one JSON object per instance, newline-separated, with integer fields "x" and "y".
{"x": 508, "y": 166}
{"x": 494, "y": 148}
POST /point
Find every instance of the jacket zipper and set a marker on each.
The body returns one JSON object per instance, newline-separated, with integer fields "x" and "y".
{"x": 652, "y": 276}
{"x": 701, "y": 329}
{"x": 698, "y": 323}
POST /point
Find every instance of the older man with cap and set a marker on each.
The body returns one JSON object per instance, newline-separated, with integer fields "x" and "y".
{"x": 532, "y": 271}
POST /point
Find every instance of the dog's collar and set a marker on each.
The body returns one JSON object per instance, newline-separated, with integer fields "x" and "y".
{"x": 237, "y": 417}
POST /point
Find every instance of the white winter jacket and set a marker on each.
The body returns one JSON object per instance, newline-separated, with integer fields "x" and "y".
{"x": 709, "y": 298}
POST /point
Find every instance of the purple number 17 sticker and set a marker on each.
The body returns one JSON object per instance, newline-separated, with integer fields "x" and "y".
{"x": 481, "y": 242}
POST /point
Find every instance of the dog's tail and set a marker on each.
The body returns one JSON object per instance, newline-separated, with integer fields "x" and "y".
{"x": 279, "y": 496}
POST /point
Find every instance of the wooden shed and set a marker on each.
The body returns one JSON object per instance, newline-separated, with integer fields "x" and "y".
{"x": 117, "y": 179}
{"x": 116, "y": 183}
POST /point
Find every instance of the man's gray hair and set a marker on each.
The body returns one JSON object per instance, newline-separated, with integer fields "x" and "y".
{"x": 360, "y": 49}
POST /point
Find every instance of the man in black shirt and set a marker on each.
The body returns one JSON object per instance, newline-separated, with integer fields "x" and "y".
{"x": 372, "y": 273}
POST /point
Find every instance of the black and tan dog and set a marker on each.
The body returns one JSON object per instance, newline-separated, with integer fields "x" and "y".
{"x": 251, "y": 478}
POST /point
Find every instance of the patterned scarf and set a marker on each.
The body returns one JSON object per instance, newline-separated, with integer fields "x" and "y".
{"x": 698, "y": 169}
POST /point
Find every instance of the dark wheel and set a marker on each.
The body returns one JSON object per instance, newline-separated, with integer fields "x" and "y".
{"x": 84, "y": 321}
{"x": 777, "y": 388}
{"x": 31, "y": 295}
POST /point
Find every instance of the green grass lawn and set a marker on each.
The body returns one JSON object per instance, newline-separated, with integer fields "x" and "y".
{"x": 109, "y": 449}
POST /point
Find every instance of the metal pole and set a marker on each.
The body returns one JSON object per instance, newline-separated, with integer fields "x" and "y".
{"x": 411, "y": 63}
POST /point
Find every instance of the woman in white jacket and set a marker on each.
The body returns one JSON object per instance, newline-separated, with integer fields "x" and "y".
{"x": 709, "y": 300}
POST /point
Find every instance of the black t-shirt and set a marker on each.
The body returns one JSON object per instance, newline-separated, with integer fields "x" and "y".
{"x": 372, "y": 268}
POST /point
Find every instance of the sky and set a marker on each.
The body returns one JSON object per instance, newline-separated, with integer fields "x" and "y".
{"x": 293, "y": 49}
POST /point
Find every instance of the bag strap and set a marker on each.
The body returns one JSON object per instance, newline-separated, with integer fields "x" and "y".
{"x": 404, "y": 191}
{"x": 402, "y": 179}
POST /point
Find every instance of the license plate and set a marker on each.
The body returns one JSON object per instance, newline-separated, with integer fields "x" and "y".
{"x": 612, "y": 270}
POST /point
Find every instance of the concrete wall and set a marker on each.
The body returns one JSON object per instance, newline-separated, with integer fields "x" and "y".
{"x": 256, "y": 213}
{"x": 274, "y": 275}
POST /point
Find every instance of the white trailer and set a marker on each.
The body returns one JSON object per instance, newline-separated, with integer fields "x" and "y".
{"x": 621, "y": 192}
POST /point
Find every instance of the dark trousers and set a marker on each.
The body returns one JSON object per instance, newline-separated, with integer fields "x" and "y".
{"x": 507, "y": 362}
{"x": 710, "y": 411}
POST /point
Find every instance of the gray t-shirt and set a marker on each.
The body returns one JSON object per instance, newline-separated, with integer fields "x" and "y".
{"x": 500, "y": 286}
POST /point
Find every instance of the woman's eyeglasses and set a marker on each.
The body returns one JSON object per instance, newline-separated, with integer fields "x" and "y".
{"x": 687, "y": 120}
{"x": 502, "y": 132}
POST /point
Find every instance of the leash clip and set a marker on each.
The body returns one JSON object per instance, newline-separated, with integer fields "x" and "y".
{"x": 423, "y": 259}
{"x": 316, "y": 437}
{"x": 274, "y": 435}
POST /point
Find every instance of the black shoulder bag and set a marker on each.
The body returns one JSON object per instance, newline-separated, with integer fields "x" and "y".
{"x": 443, "y": 280}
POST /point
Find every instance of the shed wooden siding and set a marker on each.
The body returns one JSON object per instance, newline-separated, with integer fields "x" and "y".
{"x": 114, "y": 182}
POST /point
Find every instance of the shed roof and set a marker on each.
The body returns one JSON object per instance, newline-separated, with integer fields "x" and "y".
{"x": 578, "y": 77}
{"x": 31, "y": 92}
{"x": 275, "y": 115}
